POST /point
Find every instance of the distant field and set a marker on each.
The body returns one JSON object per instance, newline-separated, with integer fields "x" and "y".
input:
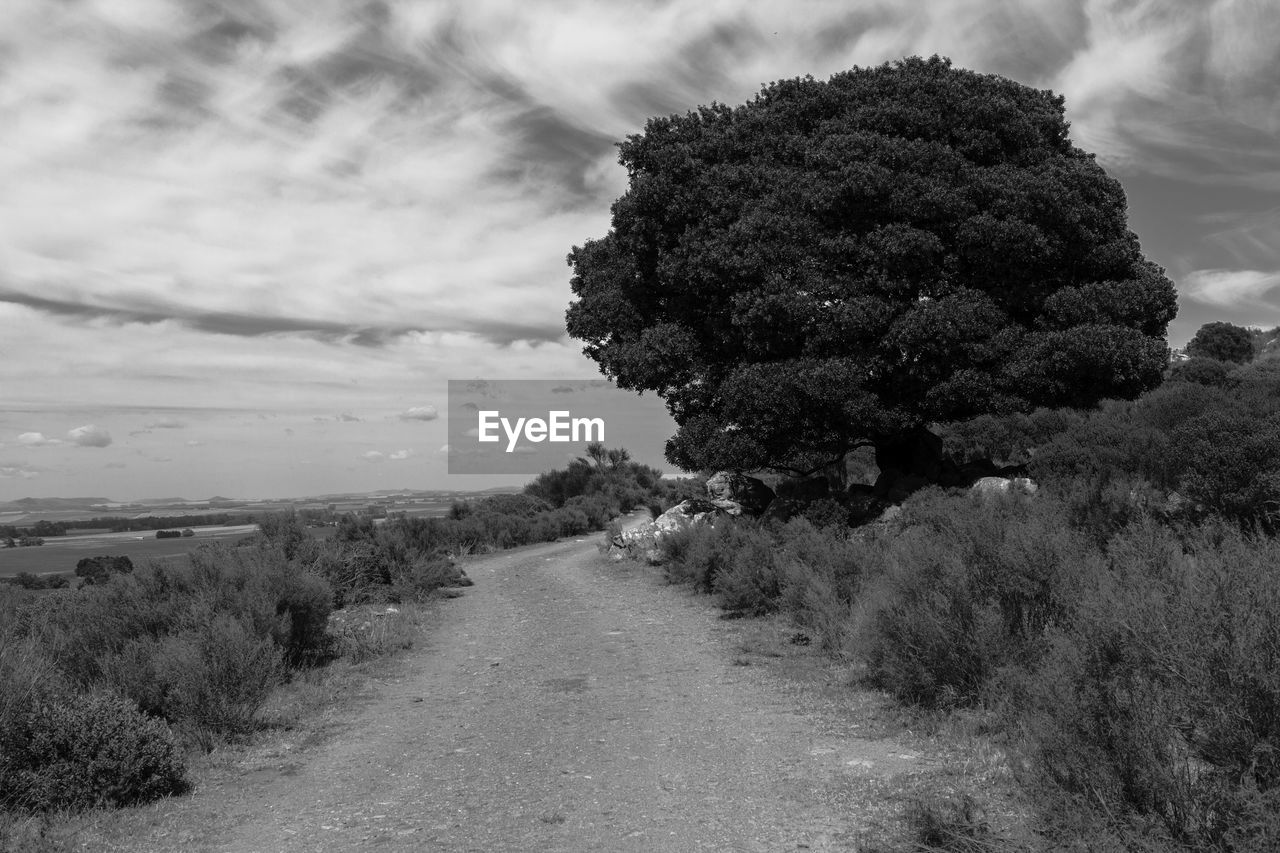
{"x": 61, "y": 553}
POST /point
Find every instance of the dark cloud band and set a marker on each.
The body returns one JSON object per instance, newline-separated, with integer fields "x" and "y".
{"x": 255, "y": 326}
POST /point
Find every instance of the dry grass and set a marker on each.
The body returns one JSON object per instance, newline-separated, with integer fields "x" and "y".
{"x": 373, "y": 631}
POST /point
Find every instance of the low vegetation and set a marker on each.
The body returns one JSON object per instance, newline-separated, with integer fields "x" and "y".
{"x": 1119, "y": 629}
{"x": 106, "y": 688}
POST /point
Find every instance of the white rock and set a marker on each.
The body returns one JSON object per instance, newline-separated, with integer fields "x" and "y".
{"x": 991, "y": 485}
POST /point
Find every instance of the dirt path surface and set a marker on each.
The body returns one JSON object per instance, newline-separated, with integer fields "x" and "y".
{"x": 568, "y": 704}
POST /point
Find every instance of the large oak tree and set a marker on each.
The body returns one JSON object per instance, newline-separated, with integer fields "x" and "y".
{"x": 840, "y": 264}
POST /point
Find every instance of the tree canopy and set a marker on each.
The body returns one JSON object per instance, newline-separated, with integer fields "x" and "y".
{"x": 840, "y": 264}
{"x": 1223, "y": 341}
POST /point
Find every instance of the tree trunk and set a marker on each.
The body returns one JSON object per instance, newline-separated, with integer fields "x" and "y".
{"x": 837, "y": 474}
{"x": 907, "y": 461}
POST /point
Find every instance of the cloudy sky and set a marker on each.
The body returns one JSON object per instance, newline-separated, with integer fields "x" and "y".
{"x": 245, "y": 243}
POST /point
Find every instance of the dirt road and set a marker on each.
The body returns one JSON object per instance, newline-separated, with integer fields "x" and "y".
{"x": 568, "y": 704}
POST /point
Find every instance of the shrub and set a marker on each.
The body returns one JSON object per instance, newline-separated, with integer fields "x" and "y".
{"x": 1175, "y": 403}
{"x": 610, "y": 474}
{"x": 421, "y": 577}
{"x": 598, "y": 510}
{"x": 356, "y": 571}
{"x": 611, "y": 532}
{"x": 236, "y": 673}
{"x": 77, "y": 630}
{"x": 1256, "y": 387}
{"x": 73, "y": 750}
{"x": 306, "y": 601}
{"x": 524, "y": 506}
{"x": 1231, "y": 464}
{"x": 931, "y": 636}
{"x": 210, "y": 681}
{"x": 25, "y": 673}
{"x": 355, "y": 528}
{"x": 283, "y": 530}
{"x": 826, "y": 512}
{"x": 98, "y": 570}
{"x": 1201, "y": 371}
{"x": 748, "y": 578}
{"x": 971, "y": 586}
{"x": 821, "y": 576}
{"x": 1160, "y": 702}
{"x": 27, "y": 580}
{"x": 696, "y": 553}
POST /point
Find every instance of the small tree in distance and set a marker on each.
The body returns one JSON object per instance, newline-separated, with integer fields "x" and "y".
{"x": 1223, "y": 341}
{"x": 98, "y": 570}
{"x": 840, "y": 264}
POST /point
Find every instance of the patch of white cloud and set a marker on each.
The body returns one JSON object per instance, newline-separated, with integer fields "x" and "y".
{"x": 401, "y": 455}
{"x": 36, "y": 439}
{"x": 420, "y": 413}
{"x": 373, "y": 456}
{"x": 89, "y": 435}
{"x": 18, "y": 471}
{"x": 1230, "y": 288}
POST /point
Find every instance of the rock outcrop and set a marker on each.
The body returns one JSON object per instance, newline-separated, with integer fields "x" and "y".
{"x": 737, "y": 493}
{"x": 993, "y": 485}
{"x": 645, "y": 541}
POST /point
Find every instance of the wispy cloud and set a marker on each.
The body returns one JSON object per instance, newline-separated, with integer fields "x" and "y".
{"x": 18, "y": 471}
{"x": 238, "y": 169}
{"x": 1230, "y": 288}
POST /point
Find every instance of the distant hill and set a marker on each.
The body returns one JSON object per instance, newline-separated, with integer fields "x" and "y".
{"x": 55, "y": 504}
{"x": 29, "y": 510}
